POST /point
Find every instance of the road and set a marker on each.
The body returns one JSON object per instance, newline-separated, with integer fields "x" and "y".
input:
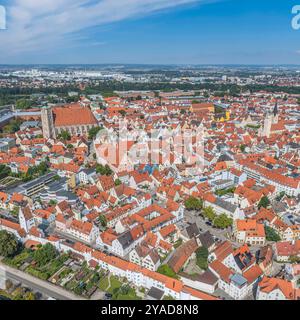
{"x": 36, "y": 284}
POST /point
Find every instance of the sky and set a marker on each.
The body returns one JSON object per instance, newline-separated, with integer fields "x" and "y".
{"x": 149, "y": 32}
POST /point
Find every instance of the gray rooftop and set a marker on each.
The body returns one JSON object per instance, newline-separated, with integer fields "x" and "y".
{"x": 226, "y": 205}
{"x": 238, "y": 279}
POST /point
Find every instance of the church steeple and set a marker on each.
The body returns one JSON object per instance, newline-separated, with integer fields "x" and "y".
{"x": 275, "y": 111}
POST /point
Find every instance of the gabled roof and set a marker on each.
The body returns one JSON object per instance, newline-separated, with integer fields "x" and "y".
{"x": 268, "y": 285}
{"x": 182, "y": 254}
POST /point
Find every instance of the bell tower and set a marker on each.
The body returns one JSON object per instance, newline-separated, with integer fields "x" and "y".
{"x": 48, "y": 123}
{"x": 275, "y": 113}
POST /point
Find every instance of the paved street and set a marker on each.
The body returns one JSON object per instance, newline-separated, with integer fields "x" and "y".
{"x": 36, "y": 284}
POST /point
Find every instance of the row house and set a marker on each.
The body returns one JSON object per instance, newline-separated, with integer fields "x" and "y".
{"x": 145, "y": 256}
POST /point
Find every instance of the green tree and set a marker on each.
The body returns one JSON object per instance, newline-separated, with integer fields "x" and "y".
{"x": 24, "y": 104}
{"x": 209, "y": 213}
{"x": 280, "y": 196}
{"x": 42, "y": 168}
{"x": 264, "y": 202}
{"x": 104, "y": 170}
{"x": 222, "y": 221}
{"x": 8, "y": 244}
{"x": 93, "y": 132}
{"x": 118, "y": 182}
{"x": 271, "y": 234}
{"x": 193, "y": 203}
{"x": 64, "y": 136}
{"x": 243, "y": 148}
{"x": 124, "y": 290}
{"x": 223, "y": 192}
{"x": 103, "y": 220}
{"x": 79, "y": 290}
{"x": 202, "y": 255}
{"x": 4, "y": 171}
{"x": 45, "y": 254}
{"x": 167, "y": 271}
{"x": 13, "y": 126}
{"x": 29, "y": 296}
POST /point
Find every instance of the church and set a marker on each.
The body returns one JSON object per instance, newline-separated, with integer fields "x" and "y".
{"x": 77, "y": 119}
{"x": 271, "y": 123}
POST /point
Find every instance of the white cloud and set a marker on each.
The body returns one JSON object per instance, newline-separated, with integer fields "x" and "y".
{"x": 40, "y": 25}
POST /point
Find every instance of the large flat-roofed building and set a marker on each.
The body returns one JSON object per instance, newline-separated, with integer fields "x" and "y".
{"x": 6, "y": 144}
{"x": 73, "y": 118}
{"x": 35, "y": 186}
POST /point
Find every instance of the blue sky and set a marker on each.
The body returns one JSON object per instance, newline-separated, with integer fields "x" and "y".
{"x": 150, "y": 31}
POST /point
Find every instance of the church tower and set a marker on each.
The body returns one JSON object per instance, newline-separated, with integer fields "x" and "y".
{"x": 48, "y": 123}
{"x": 270, "y": 119}
{"x": 275, "y": 114}
{"x": 266, "y": 130}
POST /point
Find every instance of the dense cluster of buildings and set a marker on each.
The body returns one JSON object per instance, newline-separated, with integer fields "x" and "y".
{"x": 128, "y": 212}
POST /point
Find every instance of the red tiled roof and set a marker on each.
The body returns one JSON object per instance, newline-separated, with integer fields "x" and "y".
{"x": 72, "y": 115}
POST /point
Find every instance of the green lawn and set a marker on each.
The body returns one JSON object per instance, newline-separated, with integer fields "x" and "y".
{"x": 114, "y": 289}
{"x": 130, "y": 296}
{"x": 167, "y": 271}
{"x": 114, "y": 284}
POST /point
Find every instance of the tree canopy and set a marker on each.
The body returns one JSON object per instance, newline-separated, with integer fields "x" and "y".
{"x": 93, "y": 132}
{"x": 209, "y": 213}
{"x": 202, "y": 255}
{"x": 24, "y": 103}
{"x": 222, "y": 221}
{"x": 103, "y": 220}
{"x": 8, "y": 244}
{"x": 45, "y": 254}
{"x": 104, "y": 170}
{"x": 4, "y": 171}
{"x": 193, "y": 203}
{"x": 64, "y": 135}
{"x": 167, "y": 271}
{"x": 271, "y": 234}
{"x": 264, "y": 202}
{"x": 118, "y": 182}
